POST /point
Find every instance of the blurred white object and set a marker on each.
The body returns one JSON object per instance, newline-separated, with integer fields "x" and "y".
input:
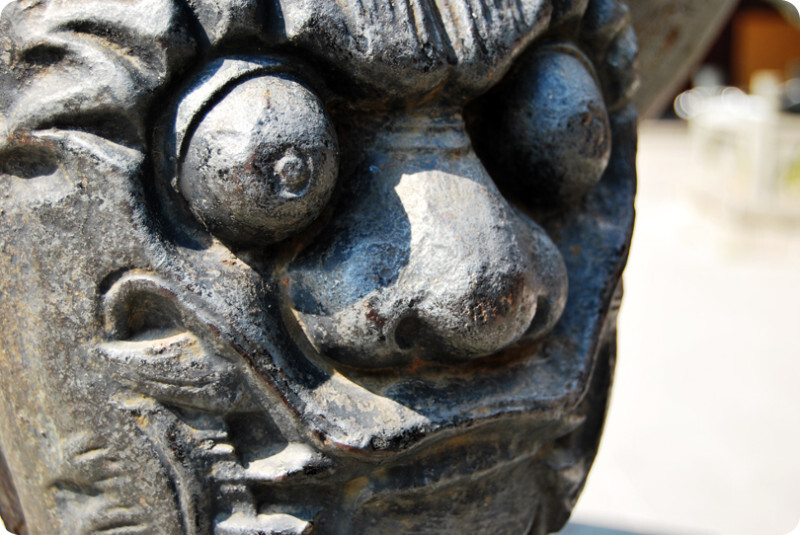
{"x": 708, "y": 76}
{"x": 748, "y": 151}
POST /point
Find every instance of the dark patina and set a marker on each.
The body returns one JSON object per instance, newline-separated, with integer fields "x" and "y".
{"x": 308, "y": 266}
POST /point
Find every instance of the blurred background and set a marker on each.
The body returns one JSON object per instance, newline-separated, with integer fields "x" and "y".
{"x": 703, "y": 432}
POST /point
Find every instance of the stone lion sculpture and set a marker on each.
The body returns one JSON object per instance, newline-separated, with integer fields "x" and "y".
{"x": 306, "y": 266}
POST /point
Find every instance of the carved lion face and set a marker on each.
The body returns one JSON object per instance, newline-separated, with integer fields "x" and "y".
{"x": 303, "y": 266}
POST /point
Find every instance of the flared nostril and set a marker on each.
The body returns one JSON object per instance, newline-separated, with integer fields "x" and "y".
{"x": 548, "y": 311}
{"x": 408, "y": 333}
{"x": 552, "y": 283}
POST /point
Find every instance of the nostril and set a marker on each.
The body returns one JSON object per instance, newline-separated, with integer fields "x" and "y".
{"x": 548, "y": 311}
{"x": 407, "y": 332}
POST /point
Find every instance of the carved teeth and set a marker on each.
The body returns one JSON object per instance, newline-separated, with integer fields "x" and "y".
{"x": 274, "y": 524}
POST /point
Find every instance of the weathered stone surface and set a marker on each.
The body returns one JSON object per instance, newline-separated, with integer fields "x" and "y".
{"x": 256, "y": 279}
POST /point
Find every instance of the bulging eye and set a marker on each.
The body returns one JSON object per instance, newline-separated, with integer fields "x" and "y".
{"x": 261, "y": 163}
{"x": 553, "y": 140}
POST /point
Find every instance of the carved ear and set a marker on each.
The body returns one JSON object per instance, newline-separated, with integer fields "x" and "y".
{"x": 141, "y": 308}
{"x": 161, "y": 349}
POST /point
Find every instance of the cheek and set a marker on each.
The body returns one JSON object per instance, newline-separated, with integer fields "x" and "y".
{"x": 261, "y": 163}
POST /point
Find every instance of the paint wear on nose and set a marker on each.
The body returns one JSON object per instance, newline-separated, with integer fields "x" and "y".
{"x": 429, "y": 263}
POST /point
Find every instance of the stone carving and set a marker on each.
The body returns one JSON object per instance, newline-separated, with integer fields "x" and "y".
{"x": 305, "y": 266}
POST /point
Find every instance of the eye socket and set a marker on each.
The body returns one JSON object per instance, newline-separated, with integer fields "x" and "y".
{"x": 261, "y": 163}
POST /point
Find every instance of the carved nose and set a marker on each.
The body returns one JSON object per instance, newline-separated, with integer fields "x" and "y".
{"x": 426, "y": 260}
